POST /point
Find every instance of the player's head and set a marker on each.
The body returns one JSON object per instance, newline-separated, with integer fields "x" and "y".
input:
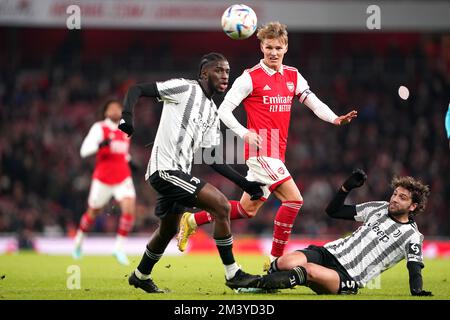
{"x": 214, "y": 72}
{"x": 112, "y": 109}
{"x": 409, "y": 196}
{"x": 274, "y": 43}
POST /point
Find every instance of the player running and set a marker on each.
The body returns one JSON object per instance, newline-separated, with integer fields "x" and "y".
{"x": 189, "y": 121}
{"x": 388, "y": 235}
{"x": 267, "y": 91}
{"x": 111, "y": 178}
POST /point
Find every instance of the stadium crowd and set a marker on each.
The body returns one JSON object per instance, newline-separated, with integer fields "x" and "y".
{"x": 52, "y": 86}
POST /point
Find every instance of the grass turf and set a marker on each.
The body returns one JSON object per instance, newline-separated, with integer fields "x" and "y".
{"x": 189, "y": 277}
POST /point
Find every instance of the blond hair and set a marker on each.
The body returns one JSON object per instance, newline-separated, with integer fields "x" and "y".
{"x": 273, "y": 30}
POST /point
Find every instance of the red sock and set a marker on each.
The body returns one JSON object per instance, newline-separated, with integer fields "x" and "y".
{"x": 86, "y": 222}
{"x": 284, "y": 220}
{"x": 237, "y": 212}
{"x": 126, "y": 224}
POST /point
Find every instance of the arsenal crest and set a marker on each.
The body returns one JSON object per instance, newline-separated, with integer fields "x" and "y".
{"x": 280, "y": 170}
{"x": 290, "y": 86}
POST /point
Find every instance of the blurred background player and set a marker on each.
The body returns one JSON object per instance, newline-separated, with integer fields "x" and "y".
{"x": 111, "y": 178}
{"x": 388, "y": 235}
{"x": 189, "y": 121}
{"x": 267, "y": 91}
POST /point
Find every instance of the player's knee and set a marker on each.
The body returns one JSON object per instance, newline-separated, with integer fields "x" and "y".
{"x": 222, "y": 209}
{"x": 311, "y": 271}
{"x": 168, "y": 232}
{"x": 250, "y": 210}
{"x": 288, "y": 262}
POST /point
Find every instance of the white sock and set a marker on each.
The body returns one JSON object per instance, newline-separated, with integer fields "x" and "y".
{"x": 191, "y": 221}
{"x": 230, "y": 270}
{"x": 271, "y": 257}
{"x": 120, "y": 240}
{"x": 140, "y": 275}
{"x": 79, "y": 238}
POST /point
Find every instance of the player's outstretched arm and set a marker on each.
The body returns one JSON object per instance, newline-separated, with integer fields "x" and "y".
{"x": 322, "y": 111}
{"x": 253, "y": 188}
{"x": 345, "y": 119}
{"x": 415, "y": 279}
{"x": 336, "y": 207}
{"x": 131, "y": 98}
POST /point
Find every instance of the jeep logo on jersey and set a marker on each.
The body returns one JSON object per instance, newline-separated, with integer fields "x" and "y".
{"x": 290, "y": 86}
{"x": 382, "y": 236}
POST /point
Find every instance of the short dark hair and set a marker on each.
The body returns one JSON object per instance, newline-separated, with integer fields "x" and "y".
{"x": 419, "y": 191}
{"x": 107, "y": 103}
{"x": 208, "y": 58}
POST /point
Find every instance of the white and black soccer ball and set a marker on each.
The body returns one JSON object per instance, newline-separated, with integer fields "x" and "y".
{"x": 239, "y": 21}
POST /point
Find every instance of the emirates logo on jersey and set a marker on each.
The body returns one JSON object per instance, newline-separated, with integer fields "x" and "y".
{"x": 290, "y": 85}
{"x": 280, "y": 170}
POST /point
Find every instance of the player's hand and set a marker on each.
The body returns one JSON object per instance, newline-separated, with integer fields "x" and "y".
{"x": 253, "y": 138}
{"x": 346, "y": 118}
{"x": 104, "y": 143}
{"x": 126, "y": 123}
{"x": 253, "y": 188}
{"x": 356, "y": 179}
{"x": 421, "y": 293}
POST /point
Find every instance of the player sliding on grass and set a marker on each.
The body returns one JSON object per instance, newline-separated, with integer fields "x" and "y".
{"x": 267, "y": 91}
{"x": 189, "y": 121}
{"x": 387, "y": 236}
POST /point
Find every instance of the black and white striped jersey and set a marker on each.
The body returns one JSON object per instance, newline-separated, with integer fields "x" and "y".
{"x": 377, "y": 245}
{"x": 189, "y": 120}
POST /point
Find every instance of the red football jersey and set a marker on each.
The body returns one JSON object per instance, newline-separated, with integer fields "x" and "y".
{"x": 268, "y": 109}
{"x": 111, "y": 165}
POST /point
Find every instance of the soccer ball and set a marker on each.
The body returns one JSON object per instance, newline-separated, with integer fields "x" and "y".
{"x": 239, "y": 21}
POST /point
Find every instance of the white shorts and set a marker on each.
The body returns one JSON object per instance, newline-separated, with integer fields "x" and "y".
{"x": 270, "y": 171}
{"x": 101, "y": 193}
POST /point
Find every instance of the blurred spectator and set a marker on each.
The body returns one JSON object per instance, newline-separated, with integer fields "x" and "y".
{"x": 47, "y": 104}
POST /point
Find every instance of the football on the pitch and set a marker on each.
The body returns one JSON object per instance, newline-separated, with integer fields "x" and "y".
{"x": 239, "y": 21}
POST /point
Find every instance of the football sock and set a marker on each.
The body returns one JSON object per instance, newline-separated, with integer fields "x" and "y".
{"x": 284, "y": 279}
{"x": 283, "y": 223}
{"x": 149, "y": 259}
{"x": 230, "y": 270}
{"x": 79, "y": 238}
{"x": 119, "y": 242}
{"x": 126, "y": 224}
{"x": 86, "y": 222}
{"x": 225, "y": 247}
{"x": 237, "y": 212}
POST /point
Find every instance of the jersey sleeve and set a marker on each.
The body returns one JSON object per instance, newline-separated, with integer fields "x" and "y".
{"x": 413, "y": 249}
{"x": 211, "y": 137}
{"x": 365, "y": 210}
{"x": 240, "y": 89}
{"x": 172, "y": 90}
{"x": 91, "y": 141}
{"x": 302, "y": 90}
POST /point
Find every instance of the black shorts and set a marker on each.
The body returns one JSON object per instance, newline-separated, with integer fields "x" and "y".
{"x": 176, "y": 191}
{"x": 321, "y": 256}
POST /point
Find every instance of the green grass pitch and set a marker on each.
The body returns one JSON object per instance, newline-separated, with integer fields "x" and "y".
{"x": 189, "y": 277}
